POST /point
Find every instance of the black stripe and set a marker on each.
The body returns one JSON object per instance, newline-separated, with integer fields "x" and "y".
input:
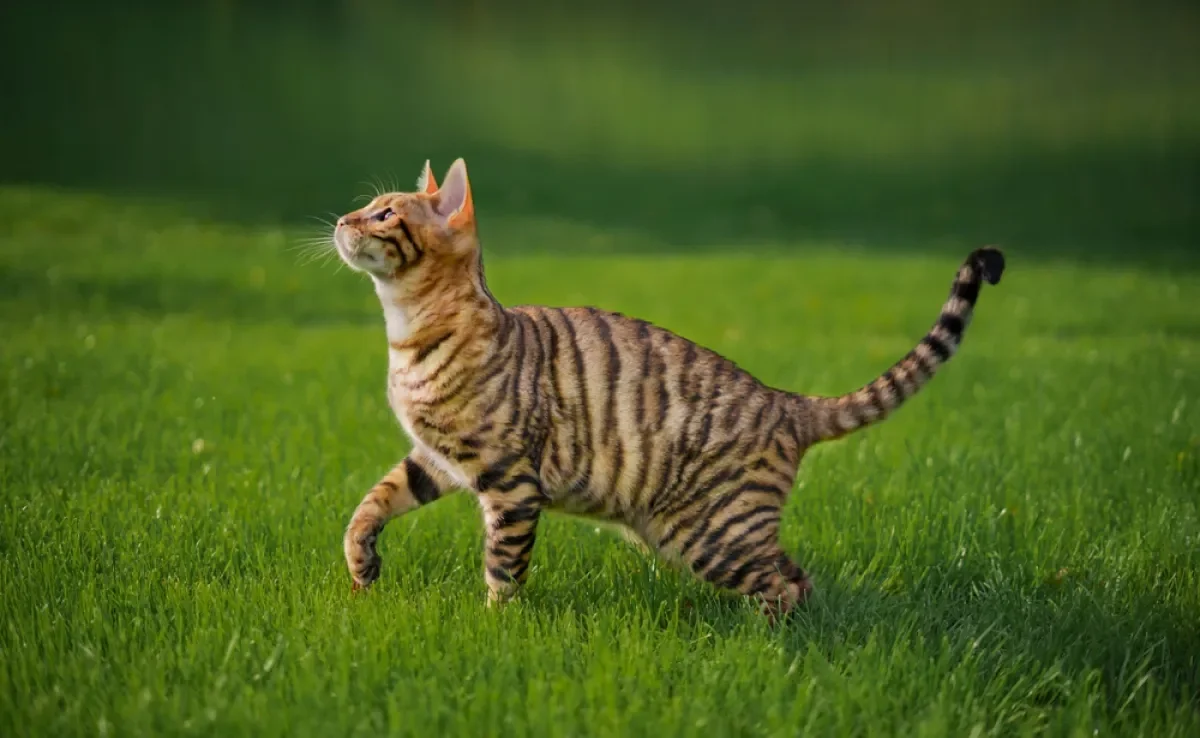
{"x": 875, "y": 399}
{"x": 967, "y": 289}
{"x": 705, "y": 431}
{"x": 938, "y": 346}
{"x": 502, "y": 574}
{"x": 496, "y": 471}
{"x": 502, "y": 364}
{"x": 639, "y": 403}
{"x": 556, "y": 387}
{"x": 518, "y": 514}
{"x": 788, "y": 569}
{"x": 735, "y": 578}
{"x": 519, "y": 566}
{"x": 750, "y": 556}
{"x": 517, "y": 481}
{"x": 709, "y": 514}
{"x": 758, "y": 416}
{"x": 773, "y": 431}
{"x": 758, "y": 582}
{"x": 585, "y": 425}
{"x": 552, "y": 354}
{"x": 514, "y": 392}
{"x": 422, "y": 486}
{"x": 408, "y": 234}
{"x": 618, "y": 463}
{"x": 537, "y": 370}
{"x": 639, "y": 485}
{"x": 614, "y": 373}
{"x": 671, "y": 457}
{"x": 496, "y": 365}
{"x": 702, "y": 466}
{"x": 399, "y": 248}
{"x": 432, "y": 346}
{"x": 664, "y": 396}
{"x": 953, "y": 324}
{"x": 728, "y": 475}
{"x": 517, "y": 539}
{"x": 689, "y": 361}
{"x": 758, "y": 525}
{"x": 683, "y": 524}
{"x": 698, "y": 533}
{"x": 778, "y": 447}
{"x": 715, "y": 537}
{"x": 425, "y": 422}
{"x": 433, "y": 374}
{"x": 719, "y": 534}
{"x": 516, "y": 415}
{"x": 449, "y": 387}
{"x": 733, "y": 411}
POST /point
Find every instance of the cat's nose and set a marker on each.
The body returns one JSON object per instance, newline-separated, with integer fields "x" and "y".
{"x": 342, "y": 221}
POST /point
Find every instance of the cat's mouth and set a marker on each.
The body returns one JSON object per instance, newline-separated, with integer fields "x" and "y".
{"x": 355, "y": 249}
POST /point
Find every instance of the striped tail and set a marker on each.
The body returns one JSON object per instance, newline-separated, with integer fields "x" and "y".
{"x": 835, "y": 417}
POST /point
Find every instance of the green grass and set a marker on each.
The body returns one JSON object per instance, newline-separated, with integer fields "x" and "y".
{"x": 189, "y": 415}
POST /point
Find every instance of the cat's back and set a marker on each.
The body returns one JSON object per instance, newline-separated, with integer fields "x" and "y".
{"x": 631, "y": 373}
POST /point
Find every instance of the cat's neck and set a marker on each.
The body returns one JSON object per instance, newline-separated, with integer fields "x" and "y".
{"x": 410, "y": 318}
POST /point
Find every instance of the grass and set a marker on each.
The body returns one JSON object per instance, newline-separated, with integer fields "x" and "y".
{"x": 189, "y": 415}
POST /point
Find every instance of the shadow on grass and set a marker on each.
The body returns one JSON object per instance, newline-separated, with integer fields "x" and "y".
{"x": 1068, "y": 624}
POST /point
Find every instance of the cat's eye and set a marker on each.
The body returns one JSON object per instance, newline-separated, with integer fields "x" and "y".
{"x": 382, "y": 215}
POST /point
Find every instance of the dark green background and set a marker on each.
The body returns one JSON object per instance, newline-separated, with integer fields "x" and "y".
{"x": 1058, "y": 129}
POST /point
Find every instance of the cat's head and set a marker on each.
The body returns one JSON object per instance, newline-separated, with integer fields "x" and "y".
{"x": 405, "y": 233}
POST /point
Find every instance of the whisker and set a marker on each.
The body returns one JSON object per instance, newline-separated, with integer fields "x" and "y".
{"x": 370, "y": 186}
{"x": 330, "y": 224}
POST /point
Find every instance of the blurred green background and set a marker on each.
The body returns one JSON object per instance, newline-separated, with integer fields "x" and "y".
{"x": 1058, "y": 129}
{"x": 190, "y": 410}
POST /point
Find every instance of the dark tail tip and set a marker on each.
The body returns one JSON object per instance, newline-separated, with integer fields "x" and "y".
{"x": 991, "y": 261}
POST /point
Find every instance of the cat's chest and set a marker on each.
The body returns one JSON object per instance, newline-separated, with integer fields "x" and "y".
{"x": 438, "y": 434}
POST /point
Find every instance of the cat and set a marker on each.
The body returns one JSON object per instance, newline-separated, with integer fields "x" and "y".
{"x": 590, "y": 412}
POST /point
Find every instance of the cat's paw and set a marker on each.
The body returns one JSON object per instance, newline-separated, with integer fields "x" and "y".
{"x": 362, "y": 559}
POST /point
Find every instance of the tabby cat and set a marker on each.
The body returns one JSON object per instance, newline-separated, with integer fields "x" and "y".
{"x": 590, "y": 412}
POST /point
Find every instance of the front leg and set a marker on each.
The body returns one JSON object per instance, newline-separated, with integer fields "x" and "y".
{"x": 511, "y": 497}
{"x": 410, "y": 484}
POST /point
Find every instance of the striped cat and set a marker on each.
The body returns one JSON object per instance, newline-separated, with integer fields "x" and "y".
{"x": 590, "y": 412}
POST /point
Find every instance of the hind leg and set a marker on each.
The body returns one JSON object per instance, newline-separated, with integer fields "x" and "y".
{"x": 780, "y": 585}
{"x": 732, "y": 542}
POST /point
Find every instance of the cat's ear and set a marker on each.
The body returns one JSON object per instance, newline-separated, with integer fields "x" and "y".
{"x": 453, "y": 202}
{"x": 426, "y": 182}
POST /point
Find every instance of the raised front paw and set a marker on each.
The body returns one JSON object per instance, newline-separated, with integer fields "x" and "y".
{"x": 362, "y": 559}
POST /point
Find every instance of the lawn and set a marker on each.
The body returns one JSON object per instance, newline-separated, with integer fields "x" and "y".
{"x": 192, "y": 404}
{"x": 190, "y": 412}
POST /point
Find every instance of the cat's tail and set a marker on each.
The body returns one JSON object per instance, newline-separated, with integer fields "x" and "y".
{"x": 829, "y": 418}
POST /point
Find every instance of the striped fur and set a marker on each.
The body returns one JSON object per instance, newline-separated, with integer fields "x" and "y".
{"x": 592, "y": 413}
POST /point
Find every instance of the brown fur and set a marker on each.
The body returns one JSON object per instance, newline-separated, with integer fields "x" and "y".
{"x": 590, "y": 412}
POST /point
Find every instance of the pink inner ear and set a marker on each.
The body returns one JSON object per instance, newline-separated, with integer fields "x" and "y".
{"x": 454, "y": 198}
{"x": 429, "y": 182}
